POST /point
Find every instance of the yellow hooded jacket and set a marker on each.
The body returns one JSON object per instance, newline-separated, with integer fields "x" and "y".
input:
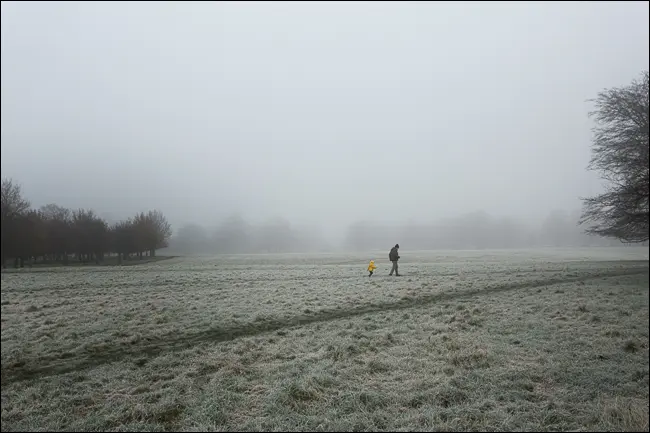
{"x": 371, "y": 266}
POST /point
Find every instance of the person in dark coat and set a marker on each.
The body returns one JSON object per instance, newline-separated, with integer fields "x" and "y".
{"x": 393, "y": 256}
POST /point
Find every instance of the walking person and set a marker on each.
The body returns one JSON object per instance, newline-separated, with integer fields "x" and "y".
{"x": 371, "y": 267}
{"x": 393, "y": 256}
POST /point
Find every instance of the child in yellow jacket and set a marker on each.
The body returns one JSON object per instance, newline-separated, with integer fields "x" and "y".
{"x": 371, "y": 267}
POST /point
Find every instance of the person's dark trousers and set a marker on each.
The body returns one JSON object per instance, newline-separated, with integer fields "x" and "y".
{"x": 394, "y": 269}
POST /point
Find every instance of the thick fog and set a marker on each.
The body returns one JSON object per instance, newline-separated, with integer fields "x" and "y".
{"x": 324, "y": 114}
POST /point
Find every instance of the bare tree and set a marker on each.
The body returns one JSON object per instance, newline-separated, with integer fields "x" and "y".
{"x": 12, "y": 208}
{"x": 90, "y": 235}
{"x": 123, "y": 239}
{"x": 152, "y": 231}
{"x": 58, "y": 226}
{"x": 142, "y": 233}
{"x": 620, "y": 154}
{"x": 160, "y": 230}
{"x": 11, "y": 200}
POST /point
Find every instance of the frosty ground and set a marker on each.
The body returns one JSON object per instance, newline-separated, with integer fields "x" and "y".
{"x": 484, "y": 340}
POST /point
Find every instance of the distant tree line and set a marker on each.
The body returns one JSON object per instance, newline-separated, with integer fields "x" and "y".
{"x": 237, "y": 236}
{"x": 477, "y": 230}
{"x": 55, "y": 234}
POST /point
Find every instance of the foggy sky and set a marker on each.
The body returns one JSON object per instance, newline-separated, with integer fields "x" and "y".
{"x": 320, "y": 113}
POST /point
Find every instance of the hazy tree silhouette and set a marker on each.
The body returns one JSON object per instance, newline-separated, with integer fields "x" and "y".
{"x": 620, "y": 154}
{"x": 54, "y": 233}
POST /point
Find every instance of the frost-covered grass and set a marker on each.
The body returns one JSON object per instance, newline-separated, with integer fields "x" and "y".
{"x": 532, "y": 340}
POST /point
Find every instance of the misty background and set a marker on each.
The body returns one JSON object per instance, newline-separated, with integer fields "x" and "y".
{"x": 311, "y": 126}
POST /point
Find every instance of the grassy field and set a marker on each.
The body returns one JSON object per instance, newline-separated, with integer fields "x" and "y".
{"x": 512, "y": 340}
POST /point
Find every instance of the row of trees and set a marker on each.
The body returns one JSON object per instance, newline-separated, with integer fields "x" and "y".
{"x": 55, "y": 234}
{"x": 237, "y": 236}
{"x": 477, "y": 230}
